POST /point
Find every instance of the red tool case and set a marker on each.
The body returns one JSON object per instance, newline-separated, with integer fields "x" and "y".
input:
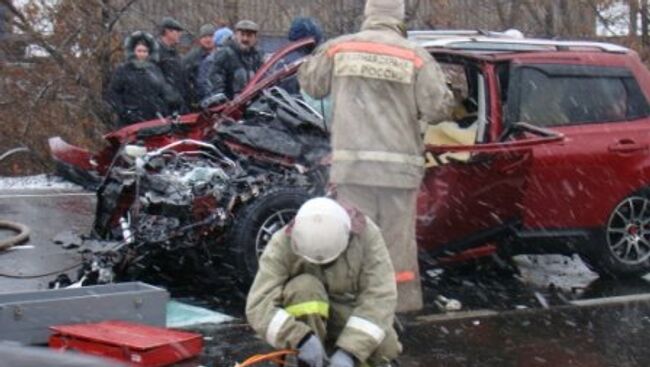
{"x": 138, "y": 345}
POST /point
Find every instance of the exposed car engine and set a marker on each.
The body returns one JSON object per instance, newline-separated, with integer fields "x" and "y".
{"x": 195, "y": 209}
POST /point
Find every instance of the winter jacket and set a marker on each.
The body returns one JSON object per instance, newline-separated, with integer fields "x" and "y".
{"x": 191, "y": 63}
{"x": 362, "y": 280}
{"x": 171, "y": 65}
{"x": 382, "y": 87}
{"x": 138, "y": 90}
{"x": 228, "y": 70}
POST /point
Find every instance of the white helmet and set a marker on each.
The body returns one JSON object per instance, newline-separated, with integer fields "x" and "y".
{"x": 321, "y": 231}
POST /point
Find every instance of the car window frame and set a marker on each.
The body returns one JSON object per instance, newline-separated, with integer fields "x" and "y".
{"x": 511, "y": 113}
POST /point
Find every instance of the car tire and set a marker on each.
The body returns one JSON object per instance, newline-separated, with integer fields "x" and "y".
{"x": 622, "y": 248}
{"x": 255, "y": 224}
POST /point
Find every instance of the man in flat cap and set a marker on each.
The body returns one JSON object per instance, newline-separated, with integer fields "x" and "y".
{"x": 229, "y": 69}
{"x": 193, "y": 59}
{"x": 170, "y": 61}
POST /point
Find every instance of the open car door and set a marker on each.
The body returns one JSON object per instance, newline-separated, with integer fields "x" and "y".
{"x": 282, "y": 65}
{"x": 466, "y": 203}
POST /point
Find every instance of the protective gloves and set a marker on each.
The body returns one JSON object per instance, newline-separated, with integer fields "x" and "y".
{"x": 341, "y": 358}
{"x": 311, "y": 352}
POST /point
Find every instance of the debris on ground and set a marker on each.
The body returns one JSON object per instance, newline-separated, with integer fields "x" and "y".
{"x": 68, "y": 240}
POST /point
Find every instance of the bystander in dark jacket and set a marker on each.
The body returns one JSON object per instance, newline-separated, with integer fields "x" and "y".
{"x": 138, "y": 90}
{"x": 301, "y": 28}
{"x": 193, "y": 59}
{"x": 170, "y": 61}
{"x": 229, "y": 69}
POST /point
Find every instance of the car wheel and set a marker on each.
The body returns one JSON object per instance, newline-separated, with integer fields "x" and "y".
{"x": 623, "y": 246}
{"x": 255, "y": 224}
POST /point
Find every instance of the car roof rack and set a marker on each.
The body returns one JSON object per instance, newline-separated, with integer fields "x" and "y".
{"x": 508, "y": 41}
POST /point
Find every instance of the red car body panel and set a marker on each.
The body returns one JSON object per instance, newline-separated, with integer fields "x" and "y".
{"x": 581, "y": 180}
{"x": 452, "y": 195}
{"x": 577, "y": 183}
{"x": 460, "y": 204}
{"x": 129, "y": 133}
{"x": 69, "y": 153}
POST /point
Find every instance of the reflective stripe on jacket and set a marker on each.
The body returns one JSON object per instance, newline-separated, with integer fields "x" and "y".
{"x": 362, "y": 279}
{"x": 382, "y": 87}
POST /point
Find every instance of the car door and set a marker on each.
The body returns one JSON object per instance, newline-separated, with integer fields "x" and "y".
{"x": 280, "y": 67}
{"x": 603, "y": 114}
{"x": 282, "y": 60}
{"x": 462, "y": 204}
{"x": 467, "y": 202}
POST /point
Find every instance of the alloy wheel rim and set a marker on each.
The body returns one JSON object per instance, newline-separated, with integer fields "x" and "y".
{"x": 628, "y": 231}
{"x": 271, "y": 225}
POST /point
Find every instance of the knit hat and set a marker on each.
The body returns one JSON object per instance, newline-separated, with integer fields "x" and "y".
{"x": 221, "y": 35}
{"x": 388, "y": 8}
{"x": 303, "y": 27}
{"x": 206, "y": 30}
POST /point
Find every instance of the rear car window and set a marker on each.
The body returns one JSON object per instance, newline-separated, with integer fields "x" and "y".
{"x": 555, "y": 95}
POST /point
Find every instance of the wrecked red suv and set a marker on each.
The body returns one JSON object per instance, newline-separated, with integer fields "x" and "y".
{"x": 587, "y": 194}
{"x": 547, "y": 153}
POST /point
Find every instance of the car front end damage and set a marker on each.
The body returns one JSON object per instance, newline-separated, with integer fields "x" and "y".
{"x": 169, "y": 213}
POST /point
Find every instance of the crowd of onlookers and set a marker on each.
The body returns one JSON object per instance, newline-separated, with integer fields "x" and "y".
{"x": 156, "y": 80}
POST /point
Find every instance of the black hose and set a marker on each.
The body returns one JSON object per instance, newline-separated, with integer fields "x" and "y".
{"x": 35, "y": 276}
{"x": 22, "y": 236}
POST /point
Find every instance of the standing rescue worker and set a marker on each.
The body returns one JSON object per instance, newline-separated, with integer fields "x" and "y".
{"x": 382, "y": 86}
{"x": 325, "y": 282}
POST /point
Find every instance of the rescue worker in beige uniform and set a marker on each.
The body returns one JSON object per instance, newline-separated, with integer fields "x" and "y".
{"x": 383, "y": 87}
{"x": 326, "y": 282}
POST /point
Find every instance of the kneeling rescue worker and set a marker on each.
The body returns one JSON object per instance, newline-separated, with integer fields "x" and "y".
{"x": 326, "y": 282}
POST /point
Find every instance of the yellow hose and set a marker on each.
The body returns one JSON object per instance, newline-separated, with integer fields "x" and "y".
{"x": 22, "y": 236}
{"x": 276, "y": 357}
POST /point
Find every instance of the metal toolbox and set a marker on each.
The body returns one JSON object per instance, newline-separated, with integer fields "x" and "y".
{"x": 25, "y": 317}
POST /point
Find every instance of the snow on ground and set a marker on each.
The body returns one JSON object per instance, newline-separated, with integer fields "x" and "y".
{"x": 561, "y": 271}
{"x": 38, "y": 182}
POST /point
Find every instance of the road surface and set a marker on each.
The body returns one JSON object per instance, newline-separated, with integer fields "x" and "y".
{"x": 549, "y": 314}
